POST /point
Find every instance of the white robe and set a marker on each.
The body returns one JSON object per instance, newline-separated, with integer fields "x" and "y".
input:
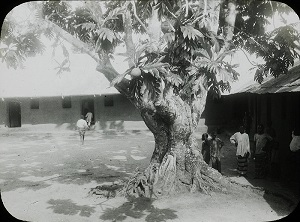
{"x": 295, "y": 143}
{"x": 243, "y": 143}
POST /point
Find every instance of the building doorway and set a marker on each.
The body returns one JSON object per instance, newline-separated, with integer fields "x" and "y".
{"x": 14, "y": 114}
{"x": 88, "y": 106}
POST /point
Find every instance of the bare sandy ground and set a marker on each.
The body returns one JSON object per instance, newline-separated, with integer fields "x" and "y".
{"x": 48, "y": 176}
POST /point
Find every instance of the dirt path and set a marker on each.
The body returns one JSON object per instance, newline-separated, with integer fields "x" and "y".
{"x": 47, "y": 177}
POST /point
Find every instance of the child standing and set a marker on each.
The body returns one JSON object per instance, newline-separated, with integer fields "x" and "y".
{"x": 89, "y": 117}
{"x": 205, "y": 148}
{"x": 215, "y": 151}
{"x": 81, "y": 126}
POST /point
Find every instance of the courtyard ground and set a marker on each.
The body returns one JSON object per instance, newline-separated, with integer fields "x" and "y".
{"x": 47, "y": 176}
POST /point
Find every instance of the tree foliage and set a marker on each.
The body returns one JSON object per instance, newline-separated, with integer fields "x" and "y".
{"x": 279, "y": 48}
{"x": 187, "y": 49}
{"x": 15, "y": 47}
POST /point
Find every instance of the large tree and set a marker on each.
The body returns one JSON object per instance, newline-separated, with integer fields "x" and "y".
{"x": 181, "y": 55}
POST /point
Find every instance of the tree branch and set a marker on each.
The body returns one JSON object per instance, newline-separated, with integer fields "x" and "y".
{"x": 136, "y": 16}
{"x": 247, "y": 57}
{"x": 205, "y": 7}
{"x": 104, "y": 65}
{"x": 128, "y": 37}
{"x": 95, "y": 9}
{"x": 230, "y": 20}
{"x": 43, "y": 24}
{"x": 186, "y": 8}
{"x": 197, "y": 100}
{"x": 154, "y": 28}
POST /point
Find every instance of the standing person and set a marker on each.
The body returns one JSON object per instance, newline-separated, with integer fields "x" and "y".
{"x": 295, "y": 142}
{"x": 261, "y": 153}
{"x": 273, "y": 156}
{"x": 81, "y": 126}
{"x": 295, "y": 148}
{"x": 205, "y": 148}
{"x": 89, "y": 117}
{"x": 215, "y": 151}
{"x": 241, "y": 141}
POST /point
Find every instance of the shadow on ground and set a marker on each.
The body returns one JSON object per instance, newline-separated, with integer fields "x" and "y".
{"x": 280, "y": 203}
{"x": 280, "y": 198}
{"x": 277, "y": 194}
{"x": 138, "y": 208}
{"x": 67, "y": 207}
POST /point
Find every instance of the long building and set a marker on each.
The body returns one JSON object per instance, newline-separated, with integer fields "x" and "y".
{"x": 37, "y": 96}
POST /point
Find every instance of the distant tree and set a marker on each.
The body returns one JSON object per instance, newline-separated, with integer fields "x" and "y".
{"x": 183, "y": 55}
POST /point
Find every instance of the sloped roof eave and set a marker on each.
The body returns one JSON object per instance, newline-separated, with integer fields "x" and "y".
{"x": 282, "y": 84}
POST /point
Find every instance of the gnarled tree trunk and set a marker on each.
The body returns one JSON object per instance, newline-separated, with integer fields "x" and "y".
{"x": 176, "y": 164}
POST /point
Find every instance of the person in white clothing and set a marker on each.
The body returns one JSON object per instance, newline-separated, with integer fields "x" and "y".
{"x": 81, "y": 126}
{"x": 242, "y": 143}
{"x": 295, "y": 142}
{"x": 89, "y": 117}
{"x": 295, "y": 148}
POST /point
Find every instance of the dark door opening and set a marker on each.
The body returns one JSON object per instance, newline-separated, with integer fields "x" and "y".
{"x": 14, "y": 112}
{"x": 88, "y": 106}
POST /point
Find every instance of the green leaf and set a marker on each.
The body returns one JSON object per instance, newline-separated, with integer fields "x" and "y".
{"x": 154, "y": 66}
{"x": 224, "y": 75}
{"x": 88, "y": 25}
{"x": 190, "y": 32}
{"x": 64, "y": 62}
{"x": 105, "y": 33}
{"x": 160, "y": 59}
{"x": 140, "y": 50}
{"x": 155, "y": 72}
{"x": 221, "y": 56}
{"x": 202, "y": 53}
{"x": 258, "y": 76}
{"x": 174, "y": 79}
{"x": 169, "y": 37}
{"x": 162, "y": 70}
{"x": 65, "y": 51}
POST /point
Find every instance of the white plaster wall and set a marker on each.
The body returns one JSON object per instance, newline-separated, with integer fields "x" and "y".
{"x": 51, "y": 115}
{"x": 3, "y": 114}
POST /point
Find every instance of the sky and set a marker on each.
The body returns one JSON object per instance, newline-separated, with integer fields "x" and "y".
{"x": 37, "y": 64}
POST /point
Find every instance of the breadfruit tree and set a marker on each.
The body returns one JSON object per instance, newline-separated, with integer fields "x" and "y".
{"x": 182, "y": 54}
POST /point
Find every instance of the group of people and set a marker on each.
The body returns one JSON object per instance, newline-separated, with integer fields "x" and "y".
{"x": 264, "y": 150}
{"x": 83, "y": 124}
{"x": 211, "y": 150}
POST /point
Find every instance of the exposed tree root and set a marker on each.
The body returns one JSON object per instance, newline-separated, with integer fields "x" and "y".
{"x": 107, "y": 191}
{"x": 165, "y": 178}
